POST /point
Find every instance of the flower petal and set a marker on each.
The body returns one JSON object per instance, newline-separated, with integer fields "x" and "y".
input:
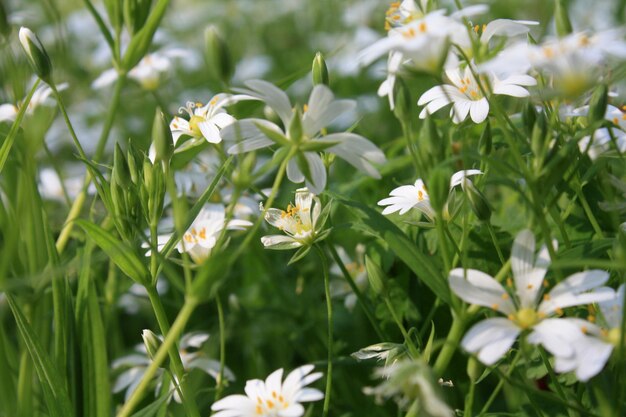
{"x": 490, "y": 339}
{"x": 481, "y": 289}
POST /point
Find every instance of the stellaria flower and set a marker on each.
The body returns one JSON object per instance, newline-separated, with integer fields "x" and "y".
{"x": 206, "y": 120}
{"x": 407, "y": 197}
{"x": 467, "y": 97}
{"x": 8, "y": 111}
{"x": 136, "y": 363}
{"x": 600, "y": 141}
{"x": 302, "y": 132}
{"x": 272, "y": 397}
{"x": 491, "y": 338}
{"x": 299, "y": 222}
{"x": 201, "y": 237}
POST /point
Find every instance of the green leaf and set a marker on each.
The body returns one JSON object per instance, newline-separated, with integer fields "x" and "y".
{"x": 120, "y": 253}
{"x": 300, "y": 253}
{"x": 421, "y": 264}
{"x": 317, "y": 145}
{"x": 53, "y": 385}
{"x": 428, "y": 349}
{"x": 152, "y": 409}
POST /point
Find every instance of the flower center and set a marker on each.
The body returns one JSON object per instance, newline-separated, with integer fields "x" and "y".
{"x": 613, "y": 336}
{"x": 193, "y": 125}
{"x": 525, "y": 318}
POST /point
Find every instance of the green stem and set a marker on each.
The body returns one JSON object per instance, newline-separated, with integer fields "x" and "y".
{"x": 329, "y": 311}
{"x": 450, "y": 345}
{"x": 407, "y": 338}
{"x": 442, "y": 242}
{"x": 170, "y": 342}
{"x": 220, "y": 378}
{"x": 555, "y": 380}
{"x": 500, "y": 385}
{"x": 268, "y": 204}
{"x": 357, "y": 292}
{"x": 177, "y": 367}
{"x": 495, "y": 242}
{"x": 80, "y": 199}
{"x": 406, "y": 131}
{"x": 589, "y": 212}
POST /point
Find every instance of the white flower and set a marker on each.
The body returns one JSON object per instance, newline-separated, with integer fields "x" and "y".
{"x": 600, "y": 141}
{"x": 339, "y": 287}
{"x": 201, "y": 237}
{"x": 272, "y": 397}
{"x": 8, "y": 111}
{"x": 53, "y": 187}
{"x": 406, "y": 197}
{"x": 466, "y": 94}
{"x": 149, "y": 72}
{"x": 136, "y": 364}
{"x": 299, "y": 222}
{"x": 205, "y": 121}
{"x": 321, "y": 110}
{"x": 491, "y": 338}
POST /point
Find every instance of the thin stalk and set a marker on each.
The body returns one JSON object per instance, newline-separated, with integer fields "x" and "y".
{"x": 268, "y": 203}
{"x": 589, "y": 212}
{"x": 406, "y": 132}
{"x": 407, "y": 338}
{"x": 220, "y": 378}
{"x": 80, "y": 199}
{"x": 357, "y": 292}
{"x": 177, "y": 367}
{"x": 441, "y": 234}
{"x": 500, "y": 385}
{"x": 168, "y": 343}
{"x": 554, "y": 378}
{"x": 329, "y": 311}
{"x": 495, "y": 242}
{"x": 450, "y": 345}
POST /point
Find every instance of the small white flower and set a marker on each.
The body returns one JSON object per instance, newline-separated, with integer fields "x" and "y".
{"x": 407, "y": 197}
{"x": 601, "y": 140}
{"x": 491, "y": 338}
{"x": 201, "y": 237}
{"x": 466, "y": 94}
{"x": 298, "y": 222}
{"x": 137, "y": 363}
{"x": 8, "y": 111}
{"x": 321, "y": 110}
{"x": 206, "y": 121}
{"x": 272, "y": 397}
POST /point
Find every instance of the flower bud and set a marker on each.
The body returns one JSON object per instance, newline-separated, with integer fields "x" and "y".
{"x": 375, "y": 275}
{"x": 319, "y": 70}
{"x": 135, "y": 14}
{"x": 474, "y": 369}
{"x": 477, "y": 201}
{"x": 36, "y": 53}
{"x": 242, "y": 177}
{"x": 152, "y": 344}
{"x": 295, "y": 126}
{"x": 598, "y": 103}
{"x": 402, "y": 101}
{"x": 486, "y": 141}
{"x": 132, "y": 164}
{"x": 439, "y": 188}
{"x": 120, "y": 167}
{"x": 115, "y": 12}
{"x": 218, "y": 55}
{"x": 162, "y": 138}
{"x": 561, "y": 19}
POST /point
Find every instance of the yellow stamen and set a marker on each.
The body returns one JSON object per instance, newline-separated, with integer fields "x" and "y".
{"x": 422, "y": 27}
{"x": 591, "y": 318}
{"x": 495, "y": 306}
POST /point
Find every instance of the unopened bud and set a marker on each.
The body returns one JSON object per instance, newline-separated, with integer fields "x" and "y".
{"x": 135, "y": 14}
{"x": 319, "y": 70}
{"x": 120, "y": 167}
{"x": 242, "y": 174}
{"x": 478, "y": 201}
{"x": 598, "y": 103}
{"x": 218, "y": 55}
{"x": 561, "y": 19}
{"x": 375, "y": 275}
{"x": 36, "y": 53}
{"x": 132, "y": 164}
{"x": 152, "y": 344}
{"x": 295, "y": 126}
{"x": 439, "y": 188}
{"x": 402, "y": 101}
{"x": 474, "y": 369}
{"x": 485, "y": 143}
{"x": 115, "y": 12}
{"x": 162, "y": 138}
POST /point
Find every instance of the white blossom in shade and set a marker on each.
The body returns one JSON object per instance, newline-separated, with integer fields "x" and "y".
{"x": 205, "y": 120}
{"x": 491, "y": 338}
{"x": 407, "y": 197}
{"x": 8, "y": 112}
{"x": 201, "y": 237}
{"x": 602, "y": 140}
{"x": 322, "y": 110}
{"x": 298, "y": 222}
{"x": 149, "y": 73}
{"x": 504, "y": 27}
{"x": 272, "y": 397}
{"x": 466, "y": 94}
{"x": 135, "y": 365}
{"x": 64, "y": 189}
{"x": 339, "y": 287}
{"x": 413, "y": 387}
